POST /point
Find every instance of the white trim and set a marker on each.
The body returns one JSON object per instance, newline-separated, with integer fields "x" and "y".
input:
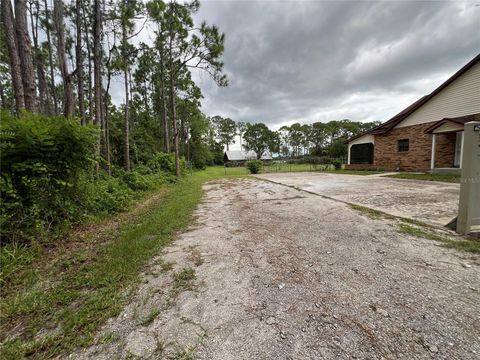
{"x": 461, "y": 148}
{"x": 432, "y": 162}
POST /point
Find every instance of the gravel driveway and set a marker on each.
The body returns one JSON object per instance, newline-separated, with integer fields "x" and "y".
{"x": 432, "y": 202}
{"x": 284, "y": 274}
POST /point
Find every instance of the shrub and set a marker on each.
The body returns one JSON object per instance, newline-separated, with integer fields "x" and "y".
{"x": 137, "y": 181}
{"x": 44, "y": 161}
{"x": 109, "y": 196}
{"x": 165, "y": 162}
{"x": 337, "y": 165}
{"x": 254, "y": 166}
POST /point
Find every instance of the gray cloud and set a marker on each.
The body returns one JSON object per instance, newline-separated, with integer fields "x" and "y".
{"x": 316, "y": 61}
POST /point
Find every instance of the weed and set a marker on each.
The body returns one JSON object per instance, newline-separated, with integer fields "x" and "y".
{"x": 166, "y": 265}
{"x": 182, "y": 281}
{"x": 451, "y": 178}
{"x": 472, "y": 246}
{"x": 195, "y": 256}
{"x": 371, "y": 213}
{"x": 152, "y": 315}
{"x": 108, "y": 338}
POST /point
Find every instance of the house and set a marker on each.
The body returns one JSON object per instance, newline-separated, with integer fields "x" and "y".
{"x": 427, "y": 135}
{"x": 238, "y": 157}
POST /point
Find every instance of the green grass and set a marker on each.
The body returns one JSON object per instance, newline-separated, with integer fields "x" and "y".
{"x": 419, "y": 229}
{"x": 371, "y": 213}
{"x": 182, "y": 281}
{"x": 450, "y": 178}
{"x": 472, "y": 246}
{"x": 69, "y": 292}
{"x": 152, "y": 315}
{"x": 299, "y": 168}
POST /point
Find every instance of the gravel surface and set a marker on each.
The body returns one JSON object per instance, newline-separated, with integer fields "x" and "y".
{"x": 284, "y": 274}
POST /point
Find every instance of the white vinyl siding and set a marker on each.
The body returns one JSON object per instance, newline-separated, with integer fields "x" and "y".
{"x": 448, "y": 127}
{"x": 462, "y": 97}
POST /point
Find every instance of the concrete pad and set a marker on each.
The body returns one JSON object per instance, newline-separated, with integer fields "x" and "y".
{"x": 432, "y": 202}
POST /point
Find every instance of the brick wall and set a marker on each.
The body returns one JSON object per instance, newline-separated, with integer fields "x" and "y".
{"x": 445, "y": 150}
{"x": 417, "y": 158}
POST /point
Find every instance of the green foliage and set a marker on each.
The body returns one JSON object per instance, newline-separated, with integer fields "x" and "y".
{"x": 44, "y": 162}
{"x": 226, "y": 130}
{"x": 254, "y": 166}
{"x": 109, "y": 196}
{"x": 259, "y": 138}
{"x": 46, "y": 186}
{"x": 166, "y": 163}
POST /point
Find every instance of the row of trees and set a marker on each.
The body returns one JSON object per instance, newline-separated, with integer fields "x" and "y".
{"x": 65, "y": 57}
{"x": 318, "y": 139}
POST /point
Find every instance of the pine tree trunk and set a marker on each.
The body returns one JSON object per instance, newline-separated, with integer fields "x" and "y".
{"x": 174, "y": 125}
{"x": 127, "y": 100}
{"x": 106, "y": 132}
{"x": 79, "y": 61}
{"x": 173, "y": 110}
{"x": 166, "y": 137}
{"x": 50, "y": 59}
{"x": 38, "y": 61}
{"x": 2, "y": 97}
{"x": 89, "y": 58}
{"x": 15, "y": 64}
{"x": 68, "y": 103}
{"x": 126, "y": 123}
{"x": 97, "y": 62}
{"x": 25, "y": 53}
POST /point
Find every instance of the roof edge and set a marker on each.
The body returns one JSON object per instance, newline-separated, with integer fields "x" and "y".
{"x": 402, "y": 115}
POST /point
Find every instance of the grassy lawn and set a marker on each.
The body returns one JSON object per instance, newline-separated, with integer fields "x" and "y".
{"x": 55, "y": 298}
{"x": 299, "y": 168}
{"x": 427, "y": 177}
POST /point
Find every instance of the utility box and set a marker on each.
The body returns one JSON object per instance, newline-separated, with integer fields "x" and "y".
{"x": 468, "y": 220}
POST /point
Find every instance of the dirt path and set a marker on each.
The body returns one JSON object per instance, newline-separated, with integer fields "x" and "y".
{"x": 283, "y": 274}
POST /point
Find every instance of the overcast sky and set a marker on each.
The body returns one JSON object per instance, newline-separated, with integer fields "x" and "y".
{"x": 310, "y": 61}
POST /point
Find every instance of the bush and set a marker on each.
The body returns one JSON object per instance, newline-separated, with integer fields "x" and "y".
{"x": 109, "y": 196}
{"x": 137, "y": 181}
{"x": 165, "y": 162}
{"x": 254, "y": 166}
{"x": 337, "y": 165}
{"x": 44, "y": 162}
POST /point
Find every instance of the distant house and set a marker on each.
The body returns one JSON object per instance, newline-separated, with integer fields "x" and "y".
{"x": 238, "y": 157}
{"x": 427, "y": 135}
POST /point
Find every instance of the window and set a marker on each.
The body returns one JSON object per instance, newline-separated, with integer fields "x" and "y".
{"x": 403, "y": 145}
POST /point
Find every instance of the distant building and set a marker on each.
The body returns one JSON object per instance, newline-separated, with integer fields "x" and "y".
{"x": 427, "y": 135}
{"x": 238, "y": 157}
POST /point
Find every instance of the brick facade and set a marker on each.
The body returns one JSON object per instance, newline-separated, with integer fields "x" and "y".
{"x": 418, "y": 157}
{"x": 445, "y": 150}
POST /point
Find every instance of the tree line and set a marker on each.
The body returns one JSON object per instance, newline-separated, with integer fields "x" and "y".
{"x": 316, "y": 139}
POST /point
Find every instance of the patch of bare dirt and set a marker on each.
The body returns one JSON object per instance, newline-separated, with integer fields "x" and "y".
{"x": 282, "y": 274}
